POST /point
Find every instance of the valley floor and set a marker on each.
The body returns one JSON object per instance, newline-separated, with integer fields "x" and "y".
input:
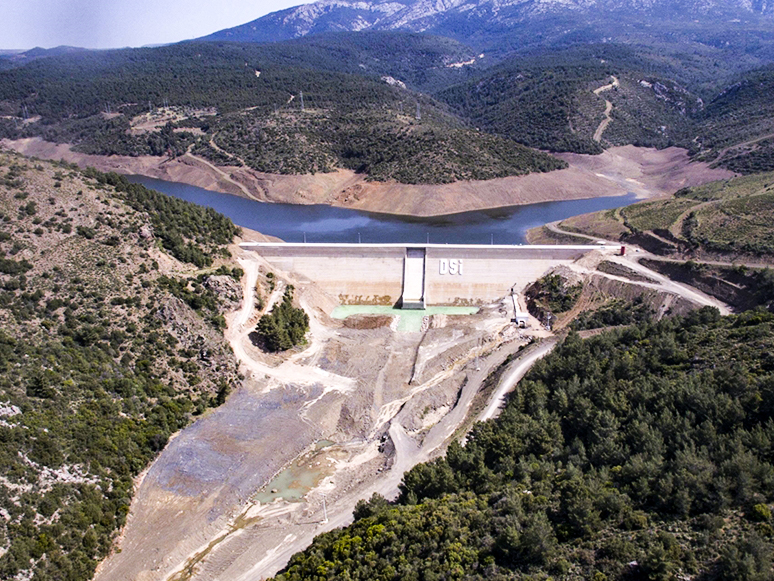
{"x": 340, "y": 419}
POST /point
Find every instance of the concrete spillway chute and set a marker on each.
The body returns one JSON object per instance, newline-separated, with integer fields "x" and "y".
{"x": 414, "y": 279}
{"x": 521, "y": 318}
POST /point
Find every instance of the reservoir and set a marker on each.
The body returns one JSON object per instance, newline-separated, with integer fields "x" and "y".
{"x": 319, "y": 223}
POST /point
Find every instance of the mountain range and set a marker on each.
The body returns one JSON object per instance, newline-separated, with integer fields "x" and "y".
{"x": 467, "y": 19}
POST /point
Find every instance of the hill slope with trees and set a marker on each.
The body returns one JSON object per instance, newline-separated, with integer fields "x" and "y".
{"x": 110, "y": 341}
{"x": 641, "y": 453}
{"x": 298, "y": 107}
{"x": 400, "y": 106}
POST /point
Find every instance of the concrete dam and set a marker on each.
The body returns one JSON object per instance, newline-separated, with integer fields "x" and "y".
{"x": 418, "y": 275}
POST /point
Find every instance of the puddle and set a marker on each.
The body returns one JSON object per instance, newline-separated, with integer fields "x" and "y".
{"x": 320, "y": 444}
{"x": 291, "y": 484}
{"x": 409, "y": 321}
{"x": 295, "y": 481}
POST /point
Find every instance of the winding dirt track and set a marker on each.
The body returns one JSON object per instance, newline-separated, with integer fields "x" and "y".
{"x": 288, "y": 372}
{"x": 514, "y": 375}
{"x": 608, "y": 109}
{"x": 663, "y": 283}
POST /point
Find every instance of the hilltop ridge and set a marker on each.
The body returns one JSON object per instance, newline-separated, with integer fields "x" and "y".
{"x": 459, "y": 18}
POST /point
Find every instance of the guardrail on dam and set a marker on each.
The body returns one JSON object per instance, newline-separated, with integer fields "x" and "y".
{"x": 418, "y": 274}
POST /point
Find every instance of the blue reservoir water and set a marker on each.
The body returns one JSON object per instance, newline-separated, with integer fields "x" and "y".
{"x": 319, "y": 223}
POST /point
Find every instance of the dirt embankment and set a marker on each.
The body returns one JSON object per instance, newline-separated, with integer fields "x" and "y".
{"x": 646, "y": 171}
{"x": 618, "y": 171}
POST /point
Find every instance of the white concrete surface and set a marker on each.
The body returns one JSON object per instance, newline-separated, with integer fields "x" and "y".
{"x": 454, "y": 274}
{"x": 414, "y": 277}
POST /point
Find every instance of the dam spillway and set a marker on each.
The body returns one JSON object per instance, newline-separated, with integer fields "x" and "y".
{"x": 419, "y": 275}
{"x": 414, "y": 271}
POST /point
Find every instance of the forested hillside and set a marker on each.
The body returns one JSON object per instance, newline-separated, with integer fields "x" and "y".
{"x": 297, "y": 107}
{"x": 110, "y": 341}
{"x": 737, "y": 126}
{"x": 362, "y": 109}
{"x": 641, "y": 453}
{"x": 545, "y": 99}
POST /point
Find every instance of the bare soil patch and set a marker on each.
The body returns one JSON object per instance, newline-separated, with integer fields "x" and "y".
{"x": 367, "y": 322}
{"x": 646, "y": 171}
{"x": 606, "y": 225}
{"x": 618, "y": 171}
{"x": 624, "y": 271}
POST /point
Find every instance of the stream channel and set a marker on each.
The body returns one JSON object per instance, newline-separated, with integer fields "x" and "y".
{"x": 319, "y": 223}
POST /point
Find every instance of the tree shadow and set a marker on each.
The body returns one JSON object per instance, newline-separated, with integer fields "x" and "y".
{"x": 258, "y": 341}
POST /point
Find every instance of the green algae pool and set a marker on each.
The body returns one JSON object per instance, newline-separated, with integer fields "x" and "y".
{"x": 409, "y": 320}
{"x": 294, "y": 482}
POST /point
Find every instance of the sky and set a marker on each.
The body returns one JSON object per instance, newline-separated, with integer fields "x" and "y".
{"x": 25, "y": 24}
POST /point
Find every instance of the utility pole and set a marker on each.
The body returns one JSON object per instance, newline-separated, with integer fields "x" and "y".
{"x": 302, "y": 100}
{"x": 325, "y": 511}
{"x": 419, "y": 113}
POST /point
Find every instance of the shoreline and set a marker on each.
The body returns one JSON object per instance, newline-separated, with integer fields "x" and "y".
{"x": 618, "y": 171}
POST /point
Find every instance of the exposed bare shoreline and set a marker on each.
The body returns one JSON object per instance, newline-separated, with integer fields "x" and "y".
{"x": 618, "y": 171}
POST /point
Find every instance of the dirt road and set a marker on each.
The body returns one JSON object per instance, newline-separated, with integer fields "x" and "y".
{"x": 662, "y": 283}
{"x": 516, "y": 371}
{"x": 608, "y": 109}
{"x": 408, "y": 453}
{"x": 554, "y": 227}
{"x": 631, "y": 260}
